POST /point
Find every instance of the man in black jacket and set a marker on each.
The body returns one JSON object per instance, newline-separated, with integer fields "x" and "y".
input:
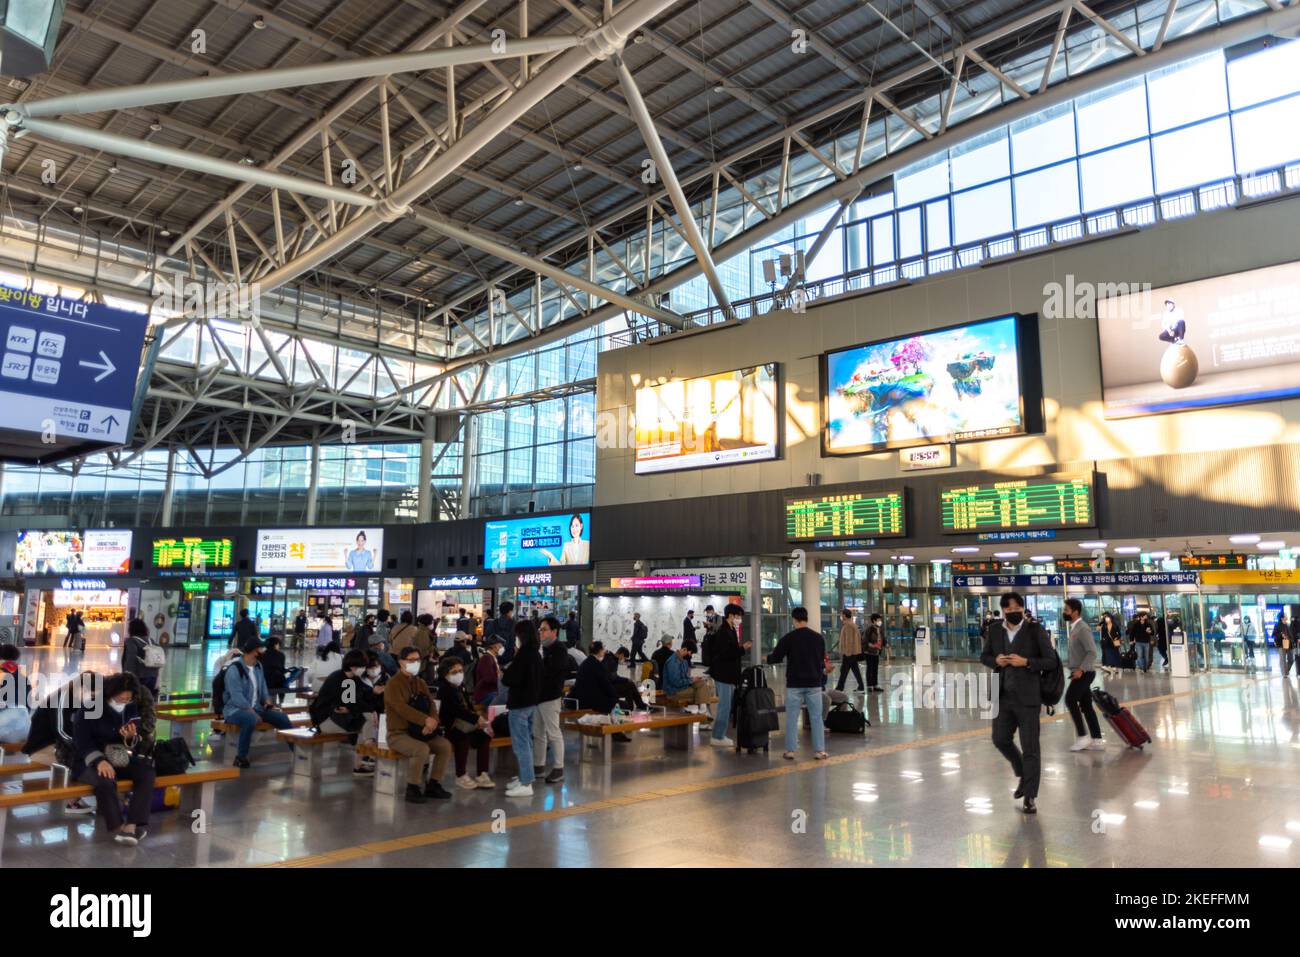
{"x": 688, "y": 632}
{"x": 546, "y": 729}
{"x": 804, "y": 652}
{"x": 599, "y": 688}
{"x": 572, "y": 630}
{"x": 639, "y": 634}
{"x": 660, "y": 658}
{"x": 726, "y": 652}
{"x": 1019, "y": 651}
{"x": 245, "y": 630}
{"x": 504, "y": 628}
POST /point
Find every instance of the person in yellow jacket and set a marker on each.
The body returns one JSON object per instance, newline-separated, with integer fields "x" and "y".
{"x": 412, "y": 714}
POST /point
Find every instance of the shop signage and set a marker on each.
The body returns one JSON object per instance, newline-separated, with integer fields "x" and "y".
{"x": 718, "y": 577}
{"x": 1261, "y": 576}
{"x": 846, "y": 543}
{"x": 263, "y": 590}
{"x": 83, "y": 584}
{"x": 666, "y": 581}
{"x": 192, "y": 587}
{"x": 925, "y": 457}
{"x": 1032, "y": 535}
{"x": 331, "y": 583}
{"x": 536, "y": 578}
{"x": 1008, "y": 581}
{"x": 454, "y": 581}
{"x": 1138, "y": 578}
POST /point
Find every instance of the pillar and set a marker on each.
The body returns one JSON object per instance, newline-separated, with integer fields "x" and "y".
{"x": 424, "y": 498}
{"x": 755, "y": 610}
{"x": 313, "y": 482}
{"x": 468, "y": 466}
{"x": 812, "y": 593}
{"x": 169, "y": 490}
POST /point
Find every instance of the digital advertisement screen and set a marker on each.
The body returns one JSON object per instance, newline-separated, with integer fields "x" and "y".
{"x": 1218, "y": 341}
{"x": 73, "y": 552}
{"x": 720, "y": 419}
{"x": 846, "y": 515}
{"x": 538, "y": 541}
{"x": 185, "y": 553}
{"x": 320, "y": 550}
{"x": 1044, "y": 501}
{"x": 975, "y": 381}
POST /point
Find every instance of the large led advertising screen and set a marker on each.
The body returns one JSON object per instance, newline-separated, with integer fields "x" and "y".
{"x": 979, "y": 380}
{"x": 1218, "y": 341}
{"x": 62, "y": 552}
{"x": 320, "y": 550}
{"x": 538, "y": 541}
{"x": 720, "y": 419}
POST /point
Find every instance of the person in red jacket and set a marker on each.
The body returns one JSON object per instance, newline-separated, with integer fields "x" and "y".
{"x": 487, "y": 673}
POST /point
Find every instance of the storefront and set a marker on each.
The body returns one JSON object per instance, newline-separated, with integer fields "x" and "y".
{"x": 662, "y": 601}
{"x": 537, "y": 594}
{"x": 444, "y": 596}
{"x": 102, "y": 604}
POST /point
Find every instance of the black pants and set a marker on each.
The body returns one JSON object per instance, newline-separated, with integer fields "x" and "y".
{"x": 638, "y": 651}
{"x": 627, "y": 690}
{"x": 461, "y": 742}
{"x": 1078, "y": 698}
{"x": 141, "y": 774}
{"x": 849, "y": 663}
{"x": 873, "y": 671}
{"x": 1025, "y": 760}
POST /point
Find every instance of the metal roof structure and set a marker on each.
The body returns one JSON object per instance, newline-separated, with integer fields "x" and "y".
{"x": 432, "y": 187}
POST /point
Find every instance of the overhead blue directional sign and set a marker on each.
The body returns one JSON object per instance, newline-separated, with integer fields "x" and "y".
{"x": 68, "y": 374}
{"x": 1008, "y": 581}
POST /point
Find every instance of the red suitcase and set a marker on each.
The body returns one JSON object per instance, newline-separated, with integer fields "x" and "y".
{"x": 1121, "y": 719}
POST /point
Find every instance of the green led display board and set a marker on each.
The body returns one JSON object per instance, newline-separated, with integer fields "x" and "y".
{"x": 1044, "y": 501}
{"x": 846, "y": 515}
{"x": 186, "y": 552}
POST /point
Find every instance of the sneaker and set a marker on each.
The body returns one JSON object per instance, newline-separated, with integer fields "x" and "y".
{"x": 513, "y": 783}
{"x": 466, "y": 782}
{"x": 520, "y": 791}
{"x": 363, "y": 771}
{"x": 556, "y": 776}
{"x": 1080, "y": 743}
{"x": 1097, "y": 744}
{"x": 216, "y": 734}
{"x": 434, "y": 789}
{"x": 622, "y": 738}
{"x": 414, "y": 795}
{"x": 484, "y": 780}
{"x": 722, "y": 742}
{"x": 242, "y": 763}
{"x": 129, "y": 839}
{"x": 79, "y": 806}
{"x": 705, "y": 726}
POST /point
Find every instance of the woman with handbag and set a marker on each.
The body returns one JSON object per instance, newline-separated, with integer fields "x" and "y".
{"x": 105, "y": 744}
{"x": 1112, "y": 645}
{"x": 465, "y": 727}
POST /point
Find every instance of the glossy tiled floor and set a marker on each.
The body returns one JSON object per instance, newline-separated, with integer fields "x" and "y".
{"x": 925, "y": 788}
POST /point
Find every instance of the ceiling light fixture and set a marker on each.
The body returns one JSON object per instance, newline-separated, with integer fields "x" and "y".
{"x": 1271, "y": 546}
{"x": 857, "y": 554}
{"x": 78, "y": 209}
{"x": 1040, "y": 558}
{"x": 259, "y": 24}
{"x": 1092, "y": 544}
{"x": 156, "y": 126}
{"x": 1243, "y": 539}
{"x": 1159, "y": 556}
{"x": 966, "y": 550}
{"x": 1006, "y": 554}
{"x": 1128, "y": 549}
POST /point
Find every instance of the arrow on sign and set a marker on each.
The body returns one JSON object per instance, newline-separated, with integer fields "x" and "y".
{"x": 109, "y": 420}
{"x": 106, "y": 365}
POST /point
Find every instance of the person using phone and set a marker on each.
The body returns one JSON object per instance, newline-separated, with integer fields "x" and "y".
{"x": 726, "y": 651}
{"x": 105, "y": 742}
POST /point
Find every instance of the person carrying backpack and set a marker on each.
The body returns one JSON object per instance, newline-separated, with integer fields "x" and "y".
{"x": 141, "y": 657}
{"x": 1019, "y": 652}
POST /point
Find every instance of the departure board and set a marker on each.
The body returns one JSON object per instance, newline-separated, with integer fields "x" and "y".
{"x": 1211, "y": 561}
{"x": 186, "y": 552}
{"x": 846, "y": 515}
{"x": 1044, "y": 501}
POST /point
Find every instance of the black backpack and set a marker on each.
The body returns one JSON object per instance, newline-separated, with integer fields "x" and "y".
{"x": 1051, "y": 683}
{"x": 172, "y": 756}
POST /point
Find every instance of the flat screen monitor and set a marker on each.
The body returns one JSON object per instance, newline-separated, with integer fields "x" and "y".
{"x": 538, "y": 541}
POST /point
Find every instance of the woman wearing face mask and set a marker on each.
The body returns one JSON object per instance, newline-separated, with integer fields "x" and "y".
{"x": 337, "y": 707}
{"x": 465, "y": 727}
{"x": 487, "y": 673}
{"x": 45, "y": 744}
{"x": 103, "y": 752}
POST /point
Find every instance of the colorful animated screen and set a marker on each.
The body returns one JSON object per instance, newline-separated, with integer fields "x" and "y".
{"x": 949, "y": 385}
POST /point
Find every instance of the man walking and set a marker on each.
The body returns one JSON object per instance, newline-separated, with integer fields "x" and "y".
{"x": 1018, "y": 651}
{"x": 639, "y": 634}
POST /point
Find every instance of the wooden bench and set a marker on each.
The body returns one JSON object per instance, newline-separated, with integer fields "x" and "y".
{"x": 668, "y": 701}
{"x": 8, "y": 749}
{"x": 308, "y": 744}
{"x": 205, "y": 780}
{"x": 13, "y": 768}
{"x": 677, "y": 731}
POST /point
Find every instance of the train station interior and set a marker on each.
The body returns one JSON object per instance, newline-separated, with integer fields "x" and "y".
{"x": 649, "y": 433}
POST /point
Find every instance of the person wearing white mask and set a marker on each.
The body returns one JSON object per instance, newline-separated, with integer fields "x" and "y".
{"x": 465, "y": 727}
{"x": 104, "y": 743}
{"x": 339, "y": 706}
{"x": 487, "y": 673}
{"x": 53, "y": 718}
{"x": 413, "y": 728}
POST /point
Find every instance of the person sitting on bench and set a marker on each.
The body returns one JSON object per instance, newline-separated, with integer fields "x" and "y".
{"x": 660, "y": 660}
{"x": 464, "y": 726}
{"x": 412, "y": 728}
{"x": 52, "y": 721}
{"x": 596, "y": 690}
{"x": 340, "y": 705}
{"x": 247, "y": 702}
{"x": 680, "y": 686}
{"x": 273, "y": 666}
{"x": 104, "y": 742}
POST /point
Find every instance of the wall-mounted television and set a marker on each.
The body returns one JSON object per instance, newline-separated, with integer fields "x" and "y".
{"x": 977, "y": 380}
{"x": 727, "y": 418}
{"x": 538, "y": 541}
{"x": 1220, "y": 341}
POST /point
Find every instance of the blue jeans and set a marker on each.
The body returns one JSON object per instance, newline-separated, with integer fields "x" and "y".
{"x": 1144, "y": 654}
{"x": 247, "y": 721}
{"x": 811, "y": 698}
{"x": 522, "y": 722}
{"x": 723, "y": 716}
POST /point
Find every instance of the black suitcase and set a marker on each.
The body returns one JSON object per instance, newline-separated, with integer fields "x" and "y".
{"x": 1128, "y": 659}
{"x": 845, "y": 719}
{"x": 755, "y": 711}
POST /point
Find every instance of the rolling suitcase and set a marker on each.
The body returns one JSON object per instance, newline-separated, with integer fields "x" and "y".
{"x": 1128, "y": 659}
{"x": 1121, "y": 719}
{"x": 755, "y": 711}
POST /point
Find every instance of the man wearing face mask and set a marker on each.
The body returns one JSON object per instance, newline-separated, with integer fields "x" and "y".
{"x": 1019, "y": 651}
{"x": 247, "y": 700}
{"x": 725, "y": 655}
{"x": 412, "y": 725}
